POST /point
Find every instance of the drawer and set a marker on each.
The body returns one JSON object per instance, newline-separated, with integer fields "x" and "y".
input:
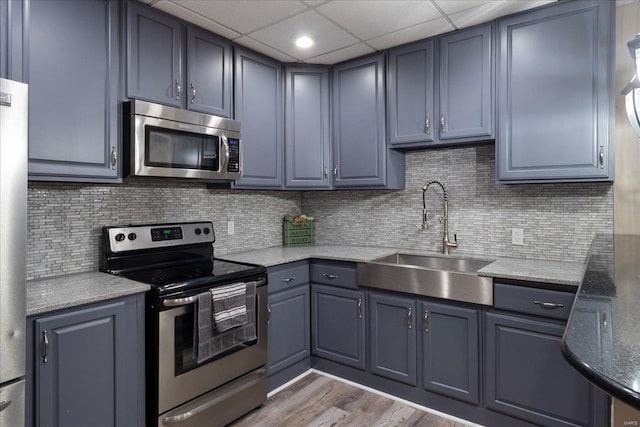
{"x": 541, "y": 302}
{"x": 342, "y": 275}
{"x": 286, "y": 276}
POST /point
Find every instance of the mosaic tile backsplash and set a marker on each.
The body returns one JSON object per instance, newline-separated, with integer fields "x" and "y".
{"x": 559, "y": 220}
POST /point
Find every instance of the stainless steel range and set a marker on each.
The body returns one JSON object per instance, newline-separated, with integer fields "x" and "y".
{"x": 196, "y": 375}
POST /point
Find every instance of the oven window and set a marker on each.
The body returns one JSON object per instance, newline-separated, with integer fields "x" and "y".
{"x": 171, "y": 148}
{"x": 186, "y": 340}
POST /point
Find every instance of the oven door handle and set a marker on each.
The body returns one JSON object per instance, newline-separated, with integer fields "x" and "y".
{"x": 178, "y": 302}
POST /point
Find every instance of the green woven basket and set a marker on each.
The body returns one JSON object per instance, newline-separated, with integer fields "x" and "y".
{"x": 298, "y": 233}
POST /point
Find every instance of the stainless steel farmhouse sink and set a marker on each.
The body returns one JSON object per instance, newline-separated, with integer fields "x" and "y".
{"x": 433, "y": 276}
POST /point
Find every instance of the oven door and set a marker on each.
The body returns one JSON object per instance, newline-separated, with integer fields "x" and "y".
{"x": 180, "y": 377}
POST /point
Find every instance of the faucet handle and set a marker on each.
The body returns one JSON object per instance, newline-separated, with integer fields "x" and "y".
{"x": 455, "y": 238}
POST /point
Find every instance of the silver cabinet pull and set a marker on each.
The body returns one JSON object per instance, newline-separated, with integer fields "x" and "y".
{"x": 601, "y": 156}
{"x": 325, "y": 175}
{"x": 289, "y": 279}
{"x": 45, "y": 347}
{"x": 5, "y": 404}
{"x": 329, "y": 276}
{"x": 427, "y": 125}
{"x": 335, "y": 173}
{"x": 443, "y": 128}
{"x": 178, "y": 89}
{"x": 409, "y": 318}
{"x": 604, "y": 318}
{"x": 359, "y": 308}
{"x": 114, "y": 157}
{"x": 268, "y": 313}
{"x": 193, "y": 93}
{"x": 426, "y": 321}
{"x": 548, "y": 305}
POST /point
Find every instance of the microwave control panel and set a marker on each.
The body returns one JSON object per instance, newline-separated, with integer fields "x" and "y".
{"x": 234, "y": 155}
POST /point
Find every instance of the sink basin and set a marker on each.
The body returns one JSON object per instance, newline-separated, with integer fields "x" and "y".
{"x": 433, "y": 276}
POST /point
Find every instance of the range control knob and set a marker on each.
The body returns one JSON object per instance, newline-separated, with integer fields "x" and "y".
{"x": 132, "y": 236}
{"x": 198, "y": 231}
{"x": 206, "y": 230}
{"x": 119, "y": 237}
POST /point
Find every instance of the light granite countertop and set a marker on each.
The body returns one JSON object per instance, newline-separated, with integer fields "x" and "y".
{"x": 56, "y": 293}
{"x": 556, "y": 272}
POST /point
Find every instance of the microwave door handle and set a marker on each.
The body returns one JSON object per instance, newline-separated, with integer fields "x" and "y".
{"x": 225, "y": 159}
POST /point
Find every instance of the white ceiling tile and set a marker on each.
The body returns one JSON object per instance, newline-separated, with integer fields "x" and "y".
{"x": 327, "y": 36}
{"x": 454, "y": 6}
{"x": 340, "y": 55}
{"x": 264, "y": 49}
{"x": 417, "y": 32}
{"x": 244, "y": 16}
{"x": 367, "y": 19}
{"x": 176, "y": 9}
{"x": 493, "y": 10}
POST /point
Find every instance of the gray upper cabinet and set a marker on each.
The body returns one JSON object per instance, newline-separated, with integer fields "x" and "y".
{"x": 161, "y": 68}
{"x": 411, "y": 108}
{"x": 465, "y": 85}
{"x": 154, "y": 56}
{"x": 361, "y": 157}
{"x": 259, "y": 108}
{"x": 555, "y": 109}
{"x": 72, "y": 72}
{"x": 307, "y": 137}
{"x": 393, "y": 337}
{"x": 11, "y": 39}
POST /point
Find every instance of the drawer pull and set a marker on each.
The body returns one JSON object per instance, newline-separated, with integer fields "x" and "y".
{"x": 410, "y": 318}
{"x": 426, "y": 321}
{"x": 359, "y": 308}
{"x": 548, "y": 305}
{"x": 289, "y": 279}
{"x": 329, "y": 276}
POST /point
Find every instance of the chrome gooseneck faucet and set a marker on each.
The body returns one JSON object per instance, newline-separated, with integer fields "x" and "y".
{"x": 447, "y": 245}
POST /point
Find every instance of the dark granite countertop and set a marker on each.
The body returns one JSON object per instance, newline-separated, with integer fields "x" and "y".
{"x": 602, "y": 338}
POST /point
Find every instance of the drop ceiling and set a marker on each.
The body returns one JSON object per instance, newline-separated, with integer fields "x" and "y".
{"x": 341, "y": 29}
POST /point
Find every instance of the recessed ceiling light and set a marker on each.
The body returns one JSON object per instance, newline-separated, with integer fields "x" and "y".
{"x": 304, "y": 42}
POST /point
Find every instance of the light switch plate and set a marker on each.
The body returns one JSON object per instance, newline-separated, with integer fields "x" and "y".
{"x": 517, "y": 236}
{"x": 231, "y": 229}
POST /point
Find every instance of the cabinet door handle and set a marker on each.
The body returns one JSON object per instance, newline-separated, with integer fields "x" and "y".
{"x": 193, "y": 93}
{"x": 5, "y": 404}
{"x": 548, "y": 305}
{"x": 604, "y": 318}
{"x": 443, "y": 127}
{"x": 359, "y": 308}
{"x": 601, "y": 157}
{"x": 409, "y": 318}
{"x": 426, "y": 321}
{"x": 268, "y": 313}
{"x": 329, "y": 276}
{"x": 335, "y": 173}
{"x": 427, "y": 125}
{"x": 45, "y": 347}
{"x": 325, "y": 175}
{"x": 178, "y": 89}
{"x": 289, "y": 279}
{"x": 114, "y": 157}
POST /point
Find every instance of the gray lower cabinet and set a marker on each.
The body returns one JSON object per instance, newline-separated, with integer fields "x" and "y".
{"x": 555, "y": 86}
{"x": 72, "y": 63}
{"x": 88, "y": 366}
{"x": 289, "y": 328}
{"x": 307, "y": 136}
{"x": 393, "y": 337}
{"x": 259, "y": 108}
{"x": 361, "y": 155}
{"x": 450, "y": 350}
{"x": 528, "y": 378}
{"x": 338, "y": 325}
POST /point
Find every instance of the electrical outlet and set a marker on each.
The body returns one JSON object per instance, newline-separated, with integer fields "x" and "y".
{"x": 517, "y": 236}
{"x": 231, "y": 229}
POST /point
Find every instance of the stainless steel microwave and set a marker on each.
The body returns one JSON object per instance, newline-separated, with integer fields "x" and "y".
{"x": 174, "y": 143}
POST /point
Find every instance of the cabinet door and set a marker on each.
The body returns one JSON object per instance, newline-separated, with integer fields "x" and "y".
{"x": 307, "y": 139}
{"x": 89, "y": 366}
{"x": 11, "y": 39}
{"x": 450, "y": 351}
{"x": 527, "y": 376}
{"x": 338, "y": 325}
{"x": 554, "y": 85}
{"x": 289, "y": 328}
{"x": 393, "y": 337}
{"x": 208, "y": 73}
{"x": 73, "y": 88}
{"x": 466, "y": 84}
{"x": 411, "y": 103}
{"x": 154, "y": 56}
{"x": 258, "y": 107}
{"x": 359, "y": 122}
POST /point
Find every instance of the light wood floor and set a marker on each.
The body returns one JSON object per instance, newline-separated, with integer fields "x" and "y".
{"x": 319, "y": 401}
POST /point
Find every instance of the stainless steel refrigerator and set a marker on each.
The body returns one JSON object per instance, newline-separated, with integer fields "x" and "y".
{"x": 13, "y": 230}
